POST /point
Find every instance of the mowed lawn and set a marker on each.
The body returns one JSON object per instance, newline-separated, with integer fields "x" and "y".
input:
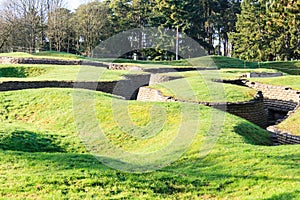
{"x": 42, "y": 156}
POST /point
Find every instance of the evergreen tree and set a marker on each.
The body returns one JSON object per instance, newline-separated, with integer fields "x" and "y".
{"x": 267, "y": 30}
{"x": 251, "y": 40}
{"x": 284, "y": 28}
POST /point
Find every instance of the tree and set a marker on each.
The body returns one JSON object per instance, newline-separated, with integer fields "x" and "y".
{"x": 5, "y": 30}
{"x": 224, "y": 21}
{"x": 267, "y": 30}
{"x": 28, "y": 18}
{"x": 284, "y": 28}
{"x": 251, "y": 40}
{"x": 59, "y": 29}
{"x": 91, "y": 23}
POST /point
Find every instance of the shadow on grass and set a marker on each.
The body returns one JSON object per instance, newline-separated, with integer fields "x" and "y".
{"x": 27, "y": 141}
{"x": 21, "y": 72}
{"x": 285, "y": 196}
{"x": 200, "y": 175}
{"x": 253, "y": 134}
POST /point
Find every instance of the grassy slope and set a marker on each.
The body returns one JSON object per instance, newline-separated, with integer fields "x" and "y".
{"x": 291, "y": 124}
{"x": 42, "y": 156}
{"x": 56, "y": 72}
{"x": 287, "y": 81}
{"x": 50, "y": 161}
{"x": 46, "y": 54}
{"x": 199, "y": 87}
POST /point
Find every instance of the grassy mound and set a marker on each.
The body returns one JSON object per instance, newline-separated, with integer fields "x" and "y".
{"x": 42, "y": 156}
{"x": 57, "y": 54}
{"x": 21, "y": 71}
{"x": 221, "y": 62}
{"x": 286, "y": 81}
{"x": 44, "y": 54}
{"x": 58, "y": 72}
{"x": 289, "y": 67}
{"x": 291, "y": 124}
{"x": 200, "y": 87}
{"x": 16, "y": 55}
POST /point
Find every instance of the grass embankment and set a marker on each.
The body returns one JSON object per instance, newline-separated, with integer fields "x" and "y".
{"x": 45, "y": 54}
{"x": 291, "y": 124}
{"x": 42, "y": 156}
{"x": 200, "y": 87}
{"x": 57, "y": 72}
{"x": 286, "y": 81}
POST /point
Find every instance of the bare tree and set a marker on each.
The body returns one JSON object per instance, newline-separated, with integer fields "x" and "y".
{"x": 28, "y": 19}
{"x": 59, "y": 29}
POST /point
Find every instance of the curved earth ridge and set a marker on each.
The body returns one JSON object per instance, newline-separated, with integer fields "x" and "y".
{"x": 132, "y": 88}
{"x": 50, "y": 61}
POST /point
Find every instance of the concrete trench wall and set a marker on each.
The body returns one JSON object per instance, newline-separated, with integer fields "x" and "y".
{"x": 283, "y": 137}
{"x": 281, "y": 93}
{"x": 130, "y": 86}
{"x": 283, "y": 99}
{"x": 127, "y": 88}
{"x": 11, "y": 60}
{"x": 286, "y": 139}
{"x": 158, "y": 78}
{"x": 123, "y": 67}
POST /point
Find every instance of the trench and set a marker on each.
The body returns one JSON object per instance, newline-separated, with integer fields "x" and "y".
{"x": 128, "y": 88}
{"x": 276, "y": 110}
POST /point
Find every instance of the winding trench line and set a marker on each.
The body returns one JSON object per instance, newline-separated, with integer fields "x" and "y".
{"x": 133, "y": 88}
{"x": 276, "y": 99}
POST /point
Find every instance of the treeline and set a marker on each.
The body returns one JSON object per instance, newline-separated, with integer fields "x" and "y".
{"x": 253, "y": 29}
{"x": 46, "y": 24}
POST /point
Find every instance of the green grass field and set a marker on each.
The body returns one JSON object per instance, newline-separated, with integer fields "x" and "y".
{"x": 48, "y": 138}
{"x": 43, "y": 158}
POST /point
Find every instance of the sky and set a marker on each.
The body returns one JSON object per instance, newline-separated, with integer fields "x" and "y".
{"x": 73, "y": 4}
